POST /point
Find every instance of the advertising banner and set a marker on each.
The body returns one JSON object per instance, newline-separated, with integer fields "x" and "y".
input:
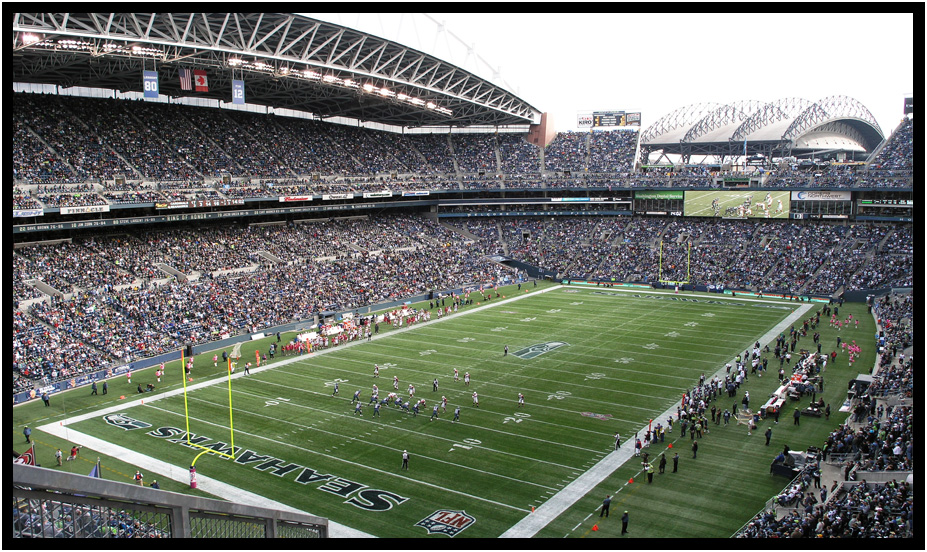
{"x": 28, "y": 213}
{"x": 821, "y": 196}
{"x": 87, "y": 209}
{"x": 661, "y": 194}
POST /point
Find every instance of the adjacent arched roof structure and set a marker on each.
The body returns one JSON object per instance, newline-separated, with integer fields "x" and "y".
{"x": 788, "y": 124}
{"x": 286, "y": 60}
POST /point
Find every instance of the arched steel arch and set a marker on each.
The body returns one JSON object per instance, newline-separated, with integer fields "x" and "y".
{"x": 770, "y": 113}
{"x": 682, "y": 117}
{"x": 723, "y": 116}
{"x": 836, "y": 108}
{"x": 270, "y": 48}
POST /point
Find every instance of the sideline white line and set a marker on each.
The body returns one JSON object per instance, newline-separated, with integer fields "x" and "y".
{"x": 208, "y": 484}
{"x": 182, "y": 475}
{"x": 530, "y": 525}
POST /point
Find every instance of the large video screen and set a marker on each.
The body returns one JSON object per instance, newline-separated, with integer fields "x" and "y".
{"x": 737, "y": 204}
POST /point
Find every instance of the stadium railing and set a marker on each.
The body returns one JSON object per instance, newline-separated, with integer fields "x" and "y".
{"x": 44, "y": 501}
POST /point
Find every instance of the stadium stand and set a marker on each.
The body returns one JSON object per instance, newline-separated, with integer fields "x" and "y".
{"x": 722, "y": 253}
{"x": 897, "y": 156}
{"x": 475, "y": 153}
{"x": 875, "y": 443}
{"x": 88, "y": 300}
{"x": 64, "y": 155}
{"x": 612, "y": 152}
{"x": 210, "y": 143}
{"x": 567, "y": 152}
{"x": 519, "y": 157}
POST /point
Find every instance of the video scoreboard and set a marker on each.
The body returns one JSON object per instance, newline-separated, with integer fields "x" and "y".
{"x": 599, "y": 119}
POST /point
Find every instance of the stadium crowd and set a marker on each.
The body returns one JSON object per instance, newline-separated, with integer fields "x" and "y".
{"x": 209, "y": 143}
{"x": 877, "y": 437}
{"x": 896, "y": 158}
{"x": 863, "y": 511}
{"x": 124, "y": 306}
{"x": 53, "y": 519}
{"x": 136, "y": 311}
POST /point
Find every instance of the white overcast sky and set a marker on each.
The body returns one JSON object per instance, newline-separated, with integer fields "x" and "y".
{"x": 565, "y": 63}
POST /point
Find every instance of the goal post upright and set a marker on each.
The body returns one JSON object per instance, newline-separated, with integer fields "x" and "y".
{"x": 186, "y": 412}
{"x": 689, "y": 262}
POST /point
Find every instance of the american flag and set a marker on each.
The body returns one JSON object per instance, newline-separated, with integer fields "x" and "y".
{"x": 186, "y": 79}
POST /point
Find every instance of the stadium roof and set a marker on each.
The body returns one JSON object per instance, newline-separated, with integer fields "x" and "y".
{"x": 789, "y": 124}
{"x": 286, "y": 60}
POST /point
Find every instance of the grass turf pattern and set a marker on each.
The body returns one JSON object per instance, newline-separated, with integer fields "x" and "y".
{"x": 628, "y": 356}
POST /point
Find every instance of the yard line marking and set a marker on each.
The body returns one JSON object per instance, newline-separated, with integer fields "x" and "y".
{"x": 529, "y": 526}
{"x": 452, "y": 441}
{"x": 383, "y": 472}
{"x": 206, "y": 483}
{"x": 384, "y": 446}
{"x": 480, "y": 428}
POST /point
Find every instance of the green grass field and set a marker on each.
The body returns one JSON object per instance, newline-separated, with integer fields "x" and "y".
{"x": 624, "y": 357}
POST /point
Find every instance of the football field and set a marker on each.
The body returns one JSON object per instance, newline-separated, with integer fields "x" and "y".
{"x": 589, "y": 361}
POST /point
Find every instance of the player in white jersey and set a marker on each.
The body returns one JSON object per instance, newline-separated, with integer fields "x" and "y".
{"x": 396, "y": 383}
{"x": 455, "y": 375}
{"x": 411, "y": 390}
{"x": 467, "y": 378}
{"x": 476, "y": 400}
{"x": 443, "y": 404}
{"x": 521, "y": 400}
{"x": 376, "y": 370}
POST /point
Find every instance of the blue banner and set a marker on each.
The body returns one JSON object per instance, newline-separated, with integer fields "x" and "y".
{"x": 78, "y": 381}
{"x": 150, "y": 84}
{"x": 238, "y": 91}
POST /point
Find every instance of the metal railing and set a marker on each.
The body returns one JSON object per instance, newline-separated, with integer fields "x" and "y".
{"x": 771, "y": 505}
{"x": 52, "y": 504}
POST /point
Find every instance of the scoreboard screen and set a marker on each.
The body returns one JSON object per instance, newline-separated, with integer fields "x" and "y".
{"x": 608, "y": 118}
{"x": 600, "y": 119}
{"x": 738, "y": 204}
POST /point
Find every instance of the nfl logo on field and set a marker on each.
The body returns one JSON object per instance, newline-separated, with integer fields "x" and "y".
{"x": 447, "y": 522}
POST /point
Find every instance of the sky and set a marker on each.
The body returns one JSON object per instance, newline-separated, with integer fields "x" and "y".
{"x": 564, "y": 64}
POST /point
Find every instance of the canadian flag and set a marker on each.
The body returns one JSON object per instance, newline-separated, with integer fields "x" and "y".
{"x": 200, "y": 81}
